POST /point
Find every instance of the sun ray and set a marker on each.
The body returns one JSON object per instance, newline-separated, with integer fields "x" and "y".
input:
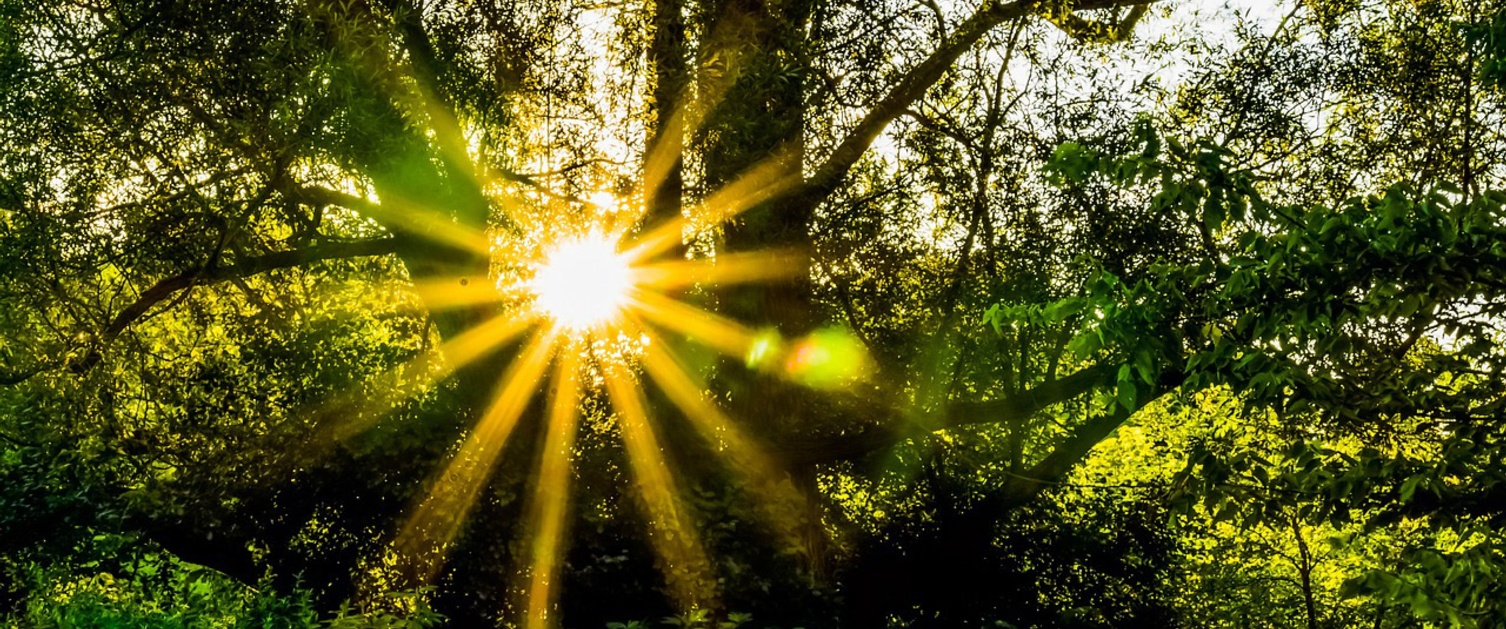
{"x": 457, "y": 292}
{"x": 453, "y": 146}
{"x": 746, "y": 459}
{"x": 716, "y": 332}
{"x": 685, "y": 122}
{"x": 426, "y": 535}
{"x": 670, "y": 374}
{"x": 357, "y": 409}
{"x": 564, "y": 321}
{"x": 661, "y": 156}
{"x": 427, "y": 110}
{"x": 658, "y": 239}
{"x": 419, "y": 218}
{"x": 550, "y": 502}
{"x": 729, "y": 268}
{"x": 769, "y": 179}
{"x": 672, "y": 530}
{"x": 583, "y": 283}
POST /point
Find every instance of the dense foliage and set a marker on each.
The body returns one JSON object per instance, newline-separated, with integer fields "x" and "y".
{"x": 1126, "y": 312}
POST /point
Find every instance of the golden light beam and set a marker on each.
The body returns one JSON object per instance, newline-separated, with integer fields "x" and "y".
{"x": 426, "y": 535}
{"x": 457, "y": 292}
{"x": 782, "y": 504}
{"x": 727, "y": 268}
{"x": 445, "y": 131}
{"x": 448, "y": 136}
{"x": 685, "y": 565}
{"x": 357, "y": 409}
{"x": 714, "y": 331}
{"x": 770, "y": 178}
{"x": 550, "y": 501}
{"x": 686, "y": 120}
{"x": 420, "y": 218}
{"x": 670, "y": 374}
{"x": 661, "y": 156}
{"x": 582, "y": 283}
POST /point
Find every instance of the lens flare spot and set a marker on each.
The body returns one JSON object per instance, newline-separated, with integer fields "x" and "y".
{"x": 582, "y": 283}
{"x": 829, "y": 358}
{"x": 766, "y": 347}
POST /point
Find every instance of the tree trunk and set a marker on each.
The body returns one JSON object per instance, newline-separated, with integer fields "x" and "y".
{"x": 1305, "y": 571}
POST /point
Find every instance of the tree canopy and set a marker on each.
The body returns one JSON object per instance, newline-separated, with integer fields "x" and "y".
{"x": 752, "y": 313}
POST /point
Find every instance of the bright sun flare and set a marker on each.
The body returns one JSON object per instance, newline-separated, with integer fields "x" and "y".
{"x": 583, "y": 283}
{"x": 560, "y": 300}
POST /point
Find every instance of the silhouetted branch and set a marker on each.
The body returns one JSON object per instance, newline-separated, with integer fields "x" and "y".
{"x": 829, "y": 175}
{"x": 898, "y": 427}
{"x": 166, "y": 288}
{"x": 1067, "y": 454}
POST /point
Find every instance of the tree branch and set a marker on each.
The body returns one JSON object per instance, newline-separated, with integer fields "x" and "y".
{"x": 17, "y": 376}
{"x": 166, "y": 288}
{"x": 1046, "y": 473}
{"x": 1021, "y": 488}
{"x": 1021, "y": 406}
{"x": 898, "y": 427}
{"x": 829, "y": 175}
{"x": 315, "y": 195}
{"x": 1101, "y": 32}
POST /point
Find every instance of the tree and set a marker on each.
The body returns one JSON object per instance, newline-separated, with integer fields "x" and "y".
{"x": 202, "y": 201}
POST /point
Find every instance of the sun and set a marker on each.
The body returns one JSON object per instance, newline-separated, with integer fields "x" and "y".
{"x": 583, "y": 283}
{"x": 563, "y": 299}
{"x": 560, "y": 293}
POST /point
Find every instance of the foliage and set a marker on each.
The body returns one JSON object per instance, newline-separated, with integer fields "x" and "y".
{"x": 1103, "y": 313}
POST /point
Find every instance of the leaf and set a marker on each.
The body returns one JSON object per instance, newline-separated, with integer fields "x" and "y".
{"x": 1152, "y": 148}
{"x": 1071, "y": 162}
{"x": 992, "y": 317}
{"x": 1127, "y": 393}
{"x": 1085, "y": 344}
{"x": 1213, "y": 213}
{"x": 1409, "y": 487}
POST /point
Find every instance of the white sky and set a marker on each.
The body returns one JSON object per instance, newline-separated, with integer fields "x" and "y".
{"x": 1210, "y": 21}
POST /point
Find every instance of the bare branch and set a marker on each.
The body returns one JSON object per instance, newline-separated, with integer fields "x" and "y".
{"x": 829, "y": 175}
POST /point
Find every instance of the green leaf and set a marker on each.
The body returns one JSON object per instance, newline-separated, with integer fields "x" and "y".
{"x": 1127, "y": 393}
{"x": 1071, "y": 162}
{"x": 1213, "y": 213}
{"x": 993, "y": 317}
{"x": 1085, "y": 344}
{"x": 1409, "y": 487}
